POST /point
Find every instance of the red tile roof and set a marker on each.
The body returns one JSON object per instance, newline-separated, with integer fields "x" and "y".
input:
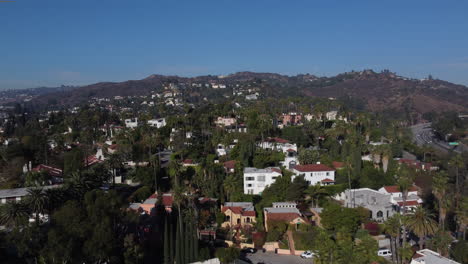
{"x": 313, "y": 167}
{"x": 187, "y": 161}
{"x": 276, "y": 170}
{"x": 396, "y": 189}
{"x": 278, "y": 140}
{"x": 231, "y": 164}
{"x": 238, "y": 210}
{"x": 286, "y": 217}
{"x": 91, "y": 160}
{"x": 338, "y": 164}
{"x": 290, "y": 150}
{"x": 167, "y": 199}
{"x": 50, "y": 170}
{"x": 327, "y": 180}
{"x": 409, "y": 203}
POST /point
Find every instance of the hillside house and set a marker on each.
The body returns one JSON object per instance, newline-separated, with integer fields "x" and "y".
{"x": 283, "y": 212}
{"x": 396, "y": 197}
{"x": 315, "y": 174}
{"x": 278, "y": 144}
{"x": 256, "y": 180}
{"x": 379, "y": 205}
{"x": 238, "y": 214}
{"x": 158, "y": 123}
{"x": 131, "y": 123}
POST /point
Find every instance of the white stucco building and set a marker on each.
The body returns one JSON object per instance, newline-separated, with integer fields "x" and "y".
{"x": 131, "y": 122}
{"x": 315, "y": 174}
{"x": 158, "y": 123}
{"x": 256, "y": 180}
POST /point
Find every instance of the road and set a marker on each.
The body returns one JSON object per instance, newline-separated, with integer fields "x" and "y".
{"x": 273, "y": 258}
{"x": 423, "y": 135}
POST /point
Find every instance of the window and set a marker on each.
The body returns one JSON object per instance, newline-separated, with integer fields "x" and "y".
{"x": 250, "y": 178}
{"x": 247, "y": 220}
{"x": 328, "y": 174}
{"x": 228, "y": 218}
{"x": 274, "y": 177}
{"x": 249, "y": 185}
{"x": 379, "y": 214}
{"x": 261, "y": 178}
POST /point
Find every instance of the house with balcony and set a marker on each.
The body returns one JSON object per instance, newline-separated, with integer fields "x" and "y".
{"x": 278, "y": 144}
{"x": 256, "y": 180}
{"x": 158, "y": 123}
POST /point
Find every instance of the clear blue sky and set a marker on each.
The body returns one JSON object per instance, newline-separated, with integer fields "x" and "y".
{"x": 53, "y": 42}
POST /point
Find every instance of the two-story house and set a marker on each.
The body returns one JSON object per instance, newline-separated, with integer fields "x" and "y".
{"x": 283, "y": 212}
{"x": 315, "y": 173}
{"x": 412, "y": 200}
{"x": 238, "y": 214}
{"x": 256, "y": 180}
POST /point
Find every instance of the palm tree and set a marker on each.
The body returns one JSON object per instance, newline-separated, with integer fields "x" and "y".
{"x": 37, "y": 201}
{"x": 386, "y": 155}
{"x": 114, "y": 163}
{"x": 462, "y": 216}
{"x": 230, "y": 185}
{"x": 422, "y": 224}
{"x": 13, "y": 214}
{"x": 439, "y": 189}
{"x": 457, "y": 163}
{"x": 179, "y": 199}
{"x": 314, "y": 193}
{"x": 393, "y": 228}
{"x": 404, "y": 183}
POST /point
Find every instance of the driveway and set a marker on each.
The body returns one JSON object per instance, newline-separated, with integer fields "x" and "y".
{"x": 272, "y": 258}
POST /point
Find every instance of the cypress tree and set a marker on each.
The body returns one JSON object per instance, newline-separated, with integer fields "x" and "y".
{"x": 186, "y": 237}
{"x": 167, "y": 247}
{"x": 178, "y": 246}
{"x": 194, "y": 239}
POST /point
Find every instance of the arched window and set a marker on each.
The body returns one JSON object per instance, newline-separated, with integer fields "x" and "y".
{"x": 379, "y": 214}
{"x": 247, "y": 220}
{"x": 228, "y": 218}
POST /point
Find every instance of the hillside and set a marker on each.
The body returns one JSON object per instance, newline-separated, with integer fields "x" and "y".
{"x": 382, "y": 91}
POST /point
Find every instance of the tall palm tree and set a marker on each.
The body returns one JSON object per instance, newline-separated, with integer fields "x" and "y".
{"x": 114, "y": 162}
{"x": 422, "y": 224}
{"x": 230, "y": 185}
{"x": 439, "y": 189}
{"x": 386, "y": 155}
{"x": 457, "y": 163}
{"x": 462, "y": 216}
{"x": 393, "y": 228}
{"x": 404, "y": 182}
{"x": 13, "y": 214}
{"x": 37, "y": 201}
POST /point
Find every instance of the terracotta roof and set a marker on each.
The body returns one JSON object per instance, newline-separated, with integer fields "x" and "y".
{"x": 327, "y": 180}
{"x": 417, "y": 255}
{"x": 338, "y": 164}
{"x": 113, "y": 146}
{"x": 231, "y": 164}
{"x": 415, "y": 164}
{"x": 290, "y": 150}
{"x": 396, "y": 189}
{"x": 313, "y": 167}
{"x": 50, "y": 170}
{"x": 238, "y": 210}
{"x": 248, "y": 213}
{"x": 278, "y": 140}
{"x": 187, "y": 161}
{"x": 276, "y": 170}
{"x": 91, "y": 160}
{"x": 167, "y": 199}
{"x": 286, "y": 217}
{"x": 409, "y": 203}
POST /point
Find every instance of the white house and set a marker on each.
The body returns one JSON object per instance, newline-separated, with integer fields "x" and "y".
{"x": 158, "y": 123}
{"x": 427, "y": 256}
{"x": 290, "y": 159}
{"x": 315, "y": 173}
{"x": 279, "y": 144}
{"x": 131, "y": 122}
{"x": 412, "y": 201}
{"x": 256, "y": 180}
{"x": 225, "y": 121}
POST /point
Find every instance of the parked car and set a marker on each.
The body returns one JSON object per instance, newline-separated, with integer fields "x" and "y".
{"x": 384, "y": 252}
{"x": 249, "y": 250}
{"x": 307, "y": 254}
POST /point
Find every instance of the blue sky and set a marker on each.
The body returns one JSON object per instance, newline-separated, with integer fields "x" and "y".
{"x": 54, "y": 42}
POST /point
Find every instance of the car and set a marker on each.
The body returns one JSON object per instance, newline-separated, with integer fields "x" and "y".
{"x": 384, "y": 252}
{"x": 249, "y": 250}
{"x": 307, "y": 254}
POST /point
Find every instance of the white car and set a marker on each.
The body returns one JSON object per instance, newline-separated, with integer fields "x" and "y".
{"x": 307, "y": 255}
{"x": 384, "y": 252}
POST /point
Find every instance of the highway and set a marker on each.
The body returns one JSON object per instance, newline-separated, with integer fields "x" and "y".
{"x": 423, "y": 135}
